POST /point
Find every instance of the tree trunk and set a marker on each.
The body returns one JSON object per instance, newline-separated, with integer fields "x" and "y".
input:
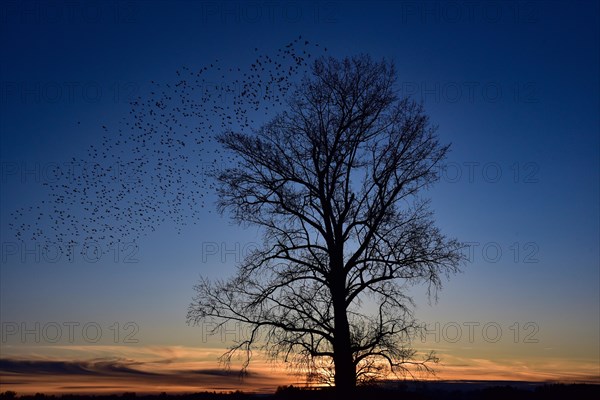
{"x": 345, "y": 370}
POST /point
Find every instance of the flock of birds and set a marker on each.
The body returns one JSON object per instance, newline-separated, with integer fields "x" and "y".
{"x": 155, "y": 165}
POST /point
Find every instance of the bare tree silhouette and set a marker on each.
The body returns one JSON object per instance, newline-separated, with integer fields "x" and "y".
{"x": 334, "y": 182}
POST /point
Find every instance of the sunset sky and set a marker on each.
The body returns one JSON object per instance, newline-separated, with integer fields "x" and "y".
{"x": 514, "y": 86}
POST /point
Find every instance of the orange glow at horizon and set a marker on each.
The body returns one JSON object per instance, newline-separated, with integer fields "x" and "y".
{"x": 187, "y": 370}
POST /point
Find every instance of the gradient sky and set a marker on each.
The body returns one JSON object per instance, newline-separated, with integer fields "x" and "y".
{"x": 513, "y": 85}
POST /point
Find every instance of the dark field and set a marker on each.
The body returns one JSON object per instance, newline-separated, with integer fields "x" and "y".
{"x": 412, "y": 391}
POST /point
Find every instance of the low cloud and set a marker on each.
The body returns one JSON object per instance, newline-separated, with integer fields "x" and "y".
{"x": 107, "y": 375}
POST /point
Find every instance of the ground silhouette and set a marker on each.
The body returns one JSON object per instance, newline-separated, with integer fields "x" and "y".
{"x": 519, "y": 391}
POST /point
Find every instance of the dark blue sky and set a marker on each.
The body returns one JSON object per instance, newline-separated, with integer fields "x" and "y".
{"x": 513, "y": 85}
